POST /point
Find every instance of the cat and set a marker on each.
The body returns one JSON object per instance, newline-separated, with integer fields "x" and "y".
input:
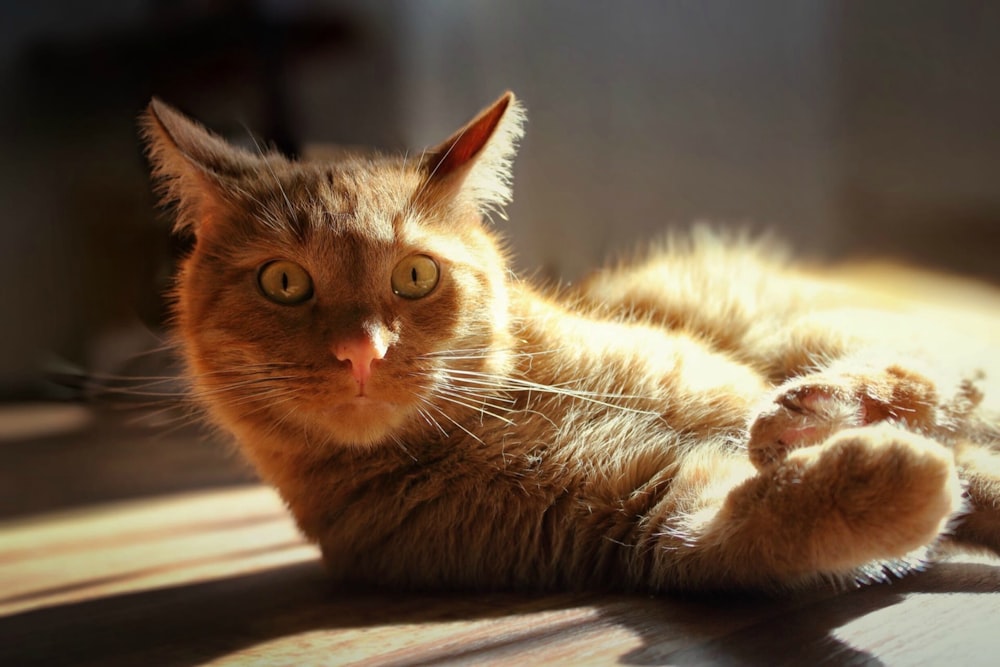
{"x": 707, "y": 417}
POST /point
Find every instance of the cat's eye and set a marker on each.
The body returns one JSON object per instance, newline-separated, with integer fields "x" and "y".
{"x": 285, "y": 282}
{"x": 415, "y": 276}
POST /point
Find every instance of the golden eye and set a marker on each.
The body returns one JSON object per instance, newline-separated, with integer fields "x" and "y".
{"x": 415, "y": 277}
{"x": 285, "y": 282}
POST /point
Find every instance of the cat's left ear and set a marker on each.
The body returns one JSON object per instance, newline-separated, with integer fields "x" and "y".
{"x": 475, "y": 162}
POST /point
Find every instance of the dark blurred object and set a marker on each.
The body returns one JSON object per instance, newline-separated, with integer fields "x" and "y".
{"x": 186, "y": 48}
{"x": 84, "y": 259}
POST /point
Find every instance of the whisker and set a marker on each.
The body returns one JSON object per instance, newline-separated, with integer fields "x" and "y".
{"x": 528, "y": 384}
{"x": 400, "y": 444}
{"x": 431, "y": 421}
{"x": 475, "y": 393}
{"x": 430, "y": 176}
{"x": 483, "y": 353}
{"x": 472, "y": 406}
{"x": 288, "y": 202}
{"x": 446, "y": 416}
{"x": 509, "y": 383}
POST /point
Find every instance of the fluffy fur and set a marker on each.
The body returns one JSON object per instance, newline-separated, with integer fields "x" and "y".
{"x": 704, "y": 417}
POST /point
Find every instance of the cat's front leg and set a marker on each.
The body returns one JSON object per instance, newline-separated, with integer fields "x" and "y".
{"x": 807, "y": 410}
{"x": 863, "y": 498}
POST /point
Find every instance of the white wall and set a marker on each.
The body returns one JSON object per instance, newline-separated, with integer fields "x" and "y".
{"x": 641, "y": 115}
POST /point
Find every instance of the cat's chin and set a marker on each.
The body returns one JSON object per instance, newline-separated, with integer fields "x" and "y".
{"x": 362, "y": 421}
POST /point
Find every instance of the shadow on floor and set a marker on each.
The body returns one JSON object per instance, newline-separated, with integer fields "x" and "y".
{"x": 191, "y": 624}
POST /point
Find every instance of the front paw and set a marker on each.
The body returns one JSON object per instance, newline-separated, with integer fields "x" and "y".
{"x": 799, "y": 416}
{"x": 886, "y": 493}
{"x": 808, "y": 410}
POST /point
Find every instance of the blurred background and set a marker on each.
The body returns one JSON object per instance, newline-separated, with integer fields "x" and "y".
{"x": 849, "y": 128}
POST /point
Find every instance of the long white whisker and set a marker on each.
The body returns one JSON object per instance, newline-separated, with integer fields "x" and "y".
{"x": 472, "y": 406}
{"x": 510, "y": 381}
{"x": 288, "y": 202}
{"x": 483, "y": 353}
{"x": 431, "y": 421}
{"x": 430, "y": 176}
{"x": 507, "y": 383}
{"x": 446, "y": 416}
{"x": 400, "y": 444}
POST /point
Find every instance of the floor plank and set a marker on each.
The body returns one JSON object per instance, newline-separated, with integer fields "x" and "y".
{"x": 219, "y": 575}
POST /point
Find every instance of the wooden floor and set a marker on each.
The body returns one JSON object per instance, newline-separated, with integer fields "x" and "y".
{"x": 121, "y": 549}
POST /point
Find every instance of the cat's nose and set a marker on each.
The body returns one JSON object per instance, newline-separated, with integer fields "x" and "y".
{"x": 360, "y": 352}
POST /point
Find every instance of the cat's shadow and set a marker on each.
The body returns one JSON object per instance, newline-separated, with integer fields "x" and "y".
{"x": 195, "y": 623}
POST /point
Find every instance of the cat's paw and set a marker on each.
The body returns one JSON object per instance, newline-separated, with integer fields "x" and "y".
{"x": 799, "y": 416}
{"x": 890, "y": 492}
{"x": 808, "y": 410}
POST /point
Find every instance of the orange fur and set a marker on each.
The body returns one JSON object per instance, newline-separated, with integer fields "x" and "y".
{"x": 705, "y": 417}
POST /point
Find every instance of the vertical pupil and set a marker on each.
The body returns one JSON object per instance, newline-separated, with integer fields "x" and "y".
{"x": 284, "y": 281}
{"x": 413, "y": 274}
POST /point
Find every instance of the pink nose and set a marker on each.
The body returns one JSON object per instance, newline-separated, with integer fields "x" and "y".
{"x": 360, "y": 353}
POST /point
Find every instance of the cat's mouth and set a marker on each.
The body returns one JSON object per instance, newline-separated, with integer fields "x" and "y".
{"x": 362, "y": 402}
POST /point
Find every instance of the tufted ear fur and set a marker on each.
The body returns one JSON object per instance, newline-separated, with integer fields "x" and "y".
{"x": 475, "y": 162}
{"x": 191, "y": 166}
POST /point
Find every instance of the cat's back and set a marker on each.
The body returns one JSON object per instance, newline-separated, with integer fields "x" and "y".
{"x": 711, "y": 285}
{"x": 739, "y": 294}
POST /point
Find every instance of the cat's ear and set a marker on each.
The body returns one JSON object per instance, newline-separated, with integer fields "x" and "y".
{"x": 191, "y": 166}
{"x": 475, "y": 162}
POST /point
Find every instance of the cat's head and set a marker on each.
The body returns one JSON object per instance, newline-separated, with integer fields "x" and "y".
{"x": 338, "y": 300}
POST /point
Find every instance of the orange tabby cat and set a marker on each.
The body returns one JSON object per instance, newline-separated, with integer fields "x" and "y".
{"x": 705, "y": 418}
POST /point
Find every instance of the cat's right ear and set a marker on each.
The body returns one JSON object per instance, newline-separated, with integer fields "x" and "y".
{"x": 191, "y": 166}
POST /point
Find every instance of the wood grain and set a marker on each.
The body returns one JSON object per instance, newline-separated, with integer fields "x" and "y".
{"x": 222, "y": 577}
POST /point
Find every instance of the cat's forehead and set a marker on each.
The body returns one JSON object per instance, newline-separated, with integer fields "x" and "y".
{"x": 368, "y": 200}
{"x": 359, "y": 196}
{"x": 366, "y": 184}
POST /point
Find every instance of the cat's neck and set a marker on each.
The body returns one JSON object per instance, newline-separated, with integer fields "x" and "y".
{"x": 552, "y": 358}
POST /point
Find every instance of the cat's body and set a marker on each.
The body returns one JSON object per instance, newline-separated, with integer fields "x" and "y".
{"x": 705, "y": 418}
